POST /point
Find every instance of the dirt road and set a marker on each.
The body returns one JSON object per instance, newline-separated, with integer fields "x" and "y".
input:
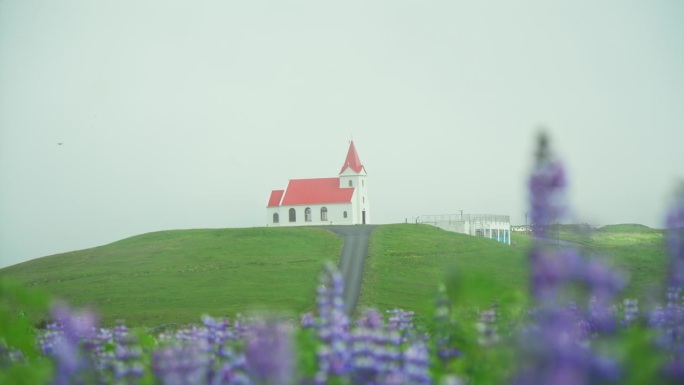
{"x": 352, "y": 259}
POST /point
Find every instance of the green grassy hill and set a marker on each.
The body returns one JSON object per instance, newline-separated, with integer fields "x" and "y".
{"x": 636, "y": 249}
{"x": 175, "y": 276}
{"x": 407, "y": 262}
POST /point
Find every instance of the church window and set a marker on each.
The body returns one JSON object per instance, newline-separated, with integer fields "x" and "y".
{"x": 324, "y": 214}
{"x": 293, "y": 215}
{"x": 345, "y": 214}
{"x": 276, "y": 219}
{"x": 362, "y": 184}
{"x": 307, "y": 214}
{"x": 350, "y": 183}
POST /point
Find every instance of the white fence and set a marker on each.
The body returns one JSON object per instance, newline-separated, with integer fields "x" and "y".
{"x": 497, "y": 227}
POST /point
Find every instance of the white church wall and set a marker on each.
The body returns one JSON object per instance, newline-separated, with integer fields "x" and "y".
{"x": 269, "y": 216}
{"x": 361, "y": 196}
{"x": 335, "y": 215}
{"x": 359, "y": 201}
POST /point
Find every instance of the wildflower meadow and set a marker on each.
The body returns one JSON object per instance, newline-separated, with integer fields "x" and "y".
{"x": 576, "y": 329}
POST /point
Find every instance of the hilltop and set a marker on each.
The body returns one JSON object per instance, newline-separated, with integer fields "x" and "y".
{"x": 175, "y": 276}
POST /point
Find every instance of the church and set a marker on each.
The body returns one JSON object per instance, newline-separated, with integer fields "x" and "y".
{"x": 341, "y": 200}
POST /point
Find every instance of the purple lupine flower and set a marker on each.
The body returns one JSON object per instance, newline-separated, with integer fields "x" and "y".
{"x": 307, "y": 321}
{"x": 486, "y": 327}
{"x": 668, "y": 321}
{"x": 675, "y": 240}
{"x": 550, "y": 270}
{"x": 52, "y": 335}
{"x": 556, "y": 345}
{"x": 216, "y": 333}
{"x": 656, "y": 318}
{"x": 384, "y": 347}
{"x": 394, "y": 378}
{"x": 72, "y": 333}
{"x": 553, "y": 353}
{"x": 443, "y": 327}
{"x": 582, "y": 327}
{"x": 601, "y": 316}
{"x": 126, "y": 363}
{"x": 269, "y": 353}
{"x": 221, "y": 365}
{"x": 10, "y": 356}
{"x": 416, "y": 363}
{"x": 233, "y": 372}
{"x": 334, "y": 355}
{"x": 371, "y": 319}
{"x": 370, "y": 345}
{"x": 555, "y": 270}
{"x": 402, "y": 322}
{"x": 365, "y": 360}
{"x": 241, "y": 326}
{"x": 630, "y": 311}
{"x": 178, "y": 364}
{"x": 380, "y": 357}
{"x": 547, "y": 188}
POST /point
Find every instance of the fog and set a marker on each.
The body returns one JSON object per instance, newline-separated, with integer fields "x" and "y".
{"x": 175, "y": 115}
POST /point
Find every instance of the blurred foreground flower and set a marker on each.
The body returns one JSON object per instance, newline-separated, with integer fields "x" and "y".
{"x": 556, "y": 344}
{"x": 269, "y": 353}
{"x": 675, "y": 239}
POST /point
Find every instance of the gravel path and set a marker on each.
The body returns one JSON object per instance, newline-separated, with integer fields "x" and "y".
{"x": 352, "y": 259}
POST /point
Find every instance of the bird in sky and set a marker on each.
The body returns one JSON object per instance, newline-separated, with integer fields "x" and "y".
{"x": 60, "y": 143}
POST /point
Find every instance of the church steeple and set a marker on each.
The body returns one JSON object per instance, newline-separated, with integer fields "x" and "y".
{"x": 353, "y": 175}
{"x": 352, "y": 161}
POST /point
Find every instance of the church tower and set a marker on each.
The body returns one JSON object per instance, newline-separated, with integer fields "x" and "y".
{"x": 353, "y": 174}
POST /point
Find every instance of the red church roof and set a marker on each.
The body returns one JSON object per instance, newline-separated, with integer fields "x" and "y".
{"x": 319, "y": 190}
{"x": 311, "y": 192}
{"x": 352, "y": 160}
{"x": 276, "y": 197}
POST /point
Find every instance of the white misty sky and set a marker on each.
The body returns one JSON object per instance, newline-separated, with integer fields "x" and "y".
{"x": 187, "y": 114}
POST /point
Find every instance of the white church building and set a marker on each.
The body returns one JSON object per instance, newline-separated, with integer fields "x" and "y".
{"x": 341, "y": 200}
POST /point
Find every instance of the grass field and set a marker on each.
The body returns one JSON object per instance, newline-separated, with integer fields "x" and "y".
{"x": 175, "y": 276}
{"x": 407, "y": 262}
{"x": 636, "y": 249}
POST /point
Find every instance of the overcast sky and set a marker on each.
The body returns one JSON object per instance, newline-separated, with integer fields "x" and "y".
{"x": 187, "y": 114}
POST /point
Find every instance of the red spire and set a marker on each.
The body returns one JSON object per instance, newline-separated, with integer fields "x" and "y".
{"x": 352, "y": 160}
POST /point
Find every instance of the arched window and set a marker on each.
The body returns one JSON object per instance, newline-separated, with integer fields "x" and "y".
{"x": 350, "y": 183}
{"x": 324, "y": 214}
{"x": 276, "y": 219}
{"x": 293, "y": 215}
{"x": 307, "y": 214}
{"x": 362, "y": 184}
{"x": 345, "y": 214}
